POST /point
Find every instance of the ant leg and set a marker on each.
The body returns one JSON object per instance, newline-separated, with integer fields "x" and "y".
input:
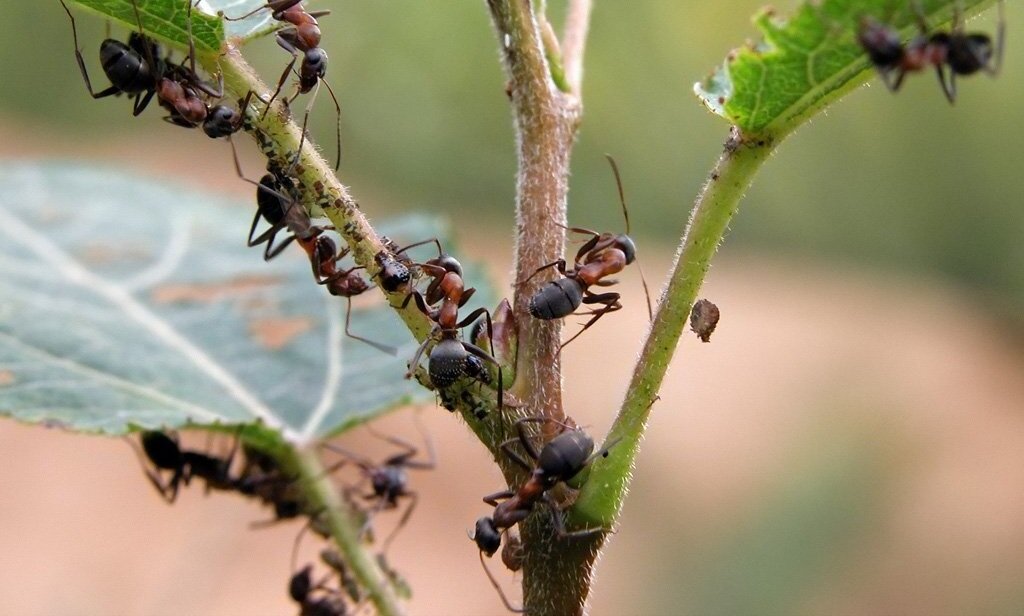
{"x": 141, "y": 102}
{"x": 497, "y": 587}
{"x": 919, "y": 16}
{"x": 482, "y": 354}
{"x": 560, "y": 264}
{"x": 492, "y": 499}
{"x": 390, "y": 350}
{"x": 432, "y": 240}
{"x": 413, "y": 499}
{"x": 1000, "y": 39}
{"x": 403, "y": 458}
{"x": 112, "y": 90}
{"x": 611, "y": 304}
{"x": 563, "y": 534}
{"x": 287, "y": 70}
{"x": 272, "y": 251}
{"x": 414, "y": 363}
{"x": 948, "y": 85}
{"x": 513, "y": 455}
{"x": 337, "y": 111}
{"x": 364, "y": 463}
{"x": 305, "y": 123}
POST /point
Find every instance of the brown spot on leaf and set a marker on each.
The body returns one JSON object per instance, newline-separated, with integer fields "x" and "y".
{"x": 7, "y": 378}
{"x": 209, "y": 292}
{"x": 275, "y": 333}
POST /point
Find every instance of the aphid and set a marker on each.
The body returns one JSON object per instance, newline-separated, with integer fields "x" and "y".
{"x": 703, "y": 319}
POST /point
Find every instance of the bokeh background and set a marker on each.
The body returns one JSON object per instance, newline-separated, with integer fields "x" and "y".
{"x": 851, "y": 442}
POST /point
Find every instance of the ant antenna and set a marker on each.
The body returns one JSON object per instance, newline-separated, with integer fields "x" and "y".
{"x": 625, "y": 214}
{"x": 497, "y": 587}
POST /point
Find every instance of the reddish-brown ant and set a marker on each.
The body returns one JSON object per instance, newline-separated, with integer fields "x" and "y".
{"x": 389, "y": 480}
{"x": 601, "y": 256}
{"x": 964, "y": 53}
{"x": 561, "y": 459}
{"x": 302, "y": 37}
{"x": 450, "y": 358}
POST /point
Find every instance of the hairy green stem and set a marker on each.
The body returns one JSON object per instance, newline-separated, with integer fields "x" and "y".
{"x": 600, "y": 498}
{"x": 346, "y": 529}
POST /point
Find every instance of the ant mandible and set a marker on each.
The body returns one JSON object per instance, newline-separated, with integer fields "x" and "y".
{"x": 602, "y": 255}
{"x": 389, "y": 480}
{"x": 964, "y": 54}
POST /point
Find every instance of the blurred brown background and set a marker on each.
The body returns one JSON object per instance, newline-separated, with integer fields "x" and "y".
{"x": 852, "y": 440}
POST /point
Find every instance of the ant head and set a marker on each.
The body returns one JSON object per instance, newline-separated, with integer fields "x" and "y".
{"x": 300, "y": 584}
{"x": 221, "y": 121}
{"x": 314, "y": 66}
{"x": 449, "y": 263}
{"x": 162, "y": 450}
{"x": 565, "y": 455}
{"x": 325, "y": 249}
{"x": 881, "y": 42}
{"x": 486, "y": 536}
{"x": 625, "y": 243}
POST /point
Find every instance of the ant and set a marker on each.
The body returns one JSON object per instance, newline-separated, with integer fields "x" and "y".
{"x": 389, "y": 480}
{"x": 964, "y": 54}
{"x": 602, "y": 255}
{"x": 136, "y": 68}
{"x": 561, "y": 459}
{"x": 324, "y": 256}
{"x": 302, "y": 37}
{"x": 450, "y": 358}
{"x": 329, "y": 603}
{"x": 166, "y": 454}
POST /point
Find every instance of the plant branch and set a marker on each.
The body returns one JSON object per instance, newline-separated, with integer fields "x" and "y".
{"x": 574, "y": 40}
{"x": 600, "y": 498}
{"x": 545, "y": 121}
{"x": 346, "y": 529}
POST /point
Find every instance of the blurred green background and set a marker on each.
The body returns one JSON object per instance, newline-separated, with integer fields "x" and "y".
{"x": 798, "y": 481}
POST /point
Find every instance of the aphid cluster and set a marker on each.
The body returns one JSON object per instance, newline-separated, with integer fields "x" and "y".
{"x": 960, "y": 52}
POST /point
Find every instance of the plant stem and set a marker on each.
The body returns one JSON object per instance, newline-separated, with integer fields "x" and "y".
{"x": 600, "y": 498}
{"x": 346, "y": 529}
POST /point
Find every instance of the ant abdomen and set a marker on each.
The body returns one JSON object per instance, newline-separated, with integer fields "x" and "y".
{"x": 565, "y": 455}
{"x": 557, "y": 299}
{"x": 162, "y": 450}
{"x": 125, "y": 67}
{"x": 449, "y": 361}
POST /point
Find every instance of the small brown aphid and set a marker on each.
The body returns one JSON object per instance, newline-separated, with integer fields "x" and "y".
{"x": 703, "y": 319}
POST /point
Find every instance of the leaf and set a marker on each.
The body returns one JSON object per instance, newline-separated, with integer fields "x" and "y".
{"x": 167, "y": 20}
{"x": 807, "y": 62}
{"x": 129, "y": 304}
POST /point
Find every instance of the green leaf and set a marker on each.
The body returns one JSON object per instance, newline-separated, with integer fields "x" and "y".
{"x": 167, "y": 20}
{"x": 807, "y": 62}
{"x": 129, "y": 304}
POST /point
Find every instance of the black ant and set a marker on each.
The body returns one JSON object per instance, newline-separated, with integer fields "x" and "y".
{"x": 302, "y": 37}
{"x": 389, "y": 480}
{"x": 451, "y": 358}
{"x": 165, "y": 454}
{"x": 561, "y": 459}
{"x": 602, "y": 255}
{"x": 329, "y": 602}
{"x": 964, "y": 54}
